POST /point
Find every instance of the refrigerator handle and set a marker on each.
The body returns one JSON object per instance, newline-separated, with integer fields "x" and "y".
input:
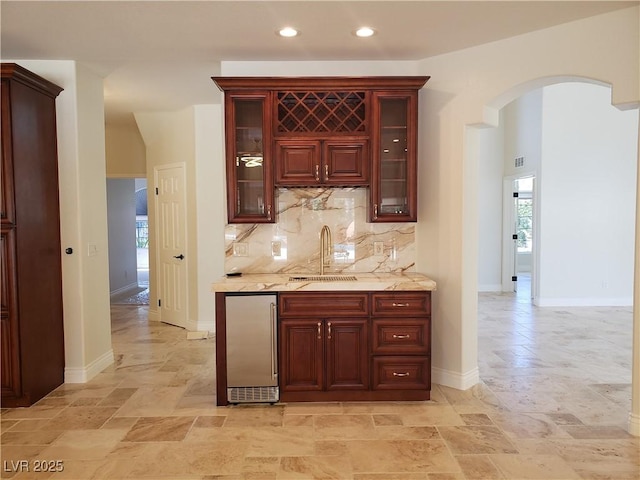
{"x": 274, "y": 342}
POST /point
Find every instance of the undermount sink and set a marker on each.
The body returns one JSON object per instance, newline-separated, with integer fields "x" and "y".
{"x": 322, "y": 278}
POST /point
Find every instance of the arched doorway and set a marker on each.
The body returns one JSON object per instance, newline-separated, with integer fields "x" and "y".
{"x": 570, "y": 187}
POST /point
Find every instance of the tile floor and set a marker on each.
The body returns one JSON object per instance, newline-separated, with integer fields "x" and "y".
{"x": 552, "y": 405}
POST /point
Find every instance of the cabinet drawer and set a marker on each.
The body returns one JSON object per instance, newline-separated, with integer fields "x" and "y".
{"x": 401, "y": 337}
{"x": 401, "y": 373}
{"x": 320, "y": 304}
{"x": 401, "y": 304}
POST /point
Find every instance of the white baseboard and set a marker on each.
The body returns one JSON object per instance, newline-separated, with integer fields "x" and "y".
{"x": 492, "y": 287}
{"x": 153, "y": 314}
{"x": 633, "y": 426}
{"x": 583, "y": 302}
{"x": 192, "y": 325}
{"x": 205, "y": 325}
{"x": 459, "y": 381}
{"x": 125, "y": 289}
{"x": 84, "y": 374}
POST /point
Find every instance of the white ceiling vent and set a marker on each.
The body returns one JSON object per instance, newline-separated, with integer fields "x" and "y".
{"x": 519, "y": 162}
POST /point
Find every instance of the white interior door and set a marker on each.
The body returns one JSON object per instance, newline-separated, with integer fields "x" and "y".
{"x": 172, "y": 242}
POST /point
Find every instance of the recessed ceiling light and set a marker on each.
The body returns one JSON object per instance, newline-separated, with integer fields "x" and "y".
{"x": 288, "y": 32}
{"x": 365, "y": 32}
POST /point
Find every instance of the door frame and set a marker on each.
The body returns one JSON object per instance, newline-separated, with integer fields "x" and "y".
{"x": 508, "y": 221}
{"x": 158, "y": 226}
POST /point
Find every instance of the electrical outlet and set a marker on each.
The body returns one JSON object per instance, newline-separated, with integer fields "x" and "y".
{"x": 240, "y": 249}
{"x": 276, "y": 248}
{"x": 378, "y": 248}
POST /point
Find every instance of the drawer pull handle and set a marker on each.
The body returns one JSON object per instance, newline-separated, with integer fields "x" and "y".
{"x": 319, "y": 331}
{"x": 401, "y": 336}
{"x": 394, "y": 304}
{"x": 401, "y": 374}
{"x": 317, "y": 173}
{"x": 329, "y": 336}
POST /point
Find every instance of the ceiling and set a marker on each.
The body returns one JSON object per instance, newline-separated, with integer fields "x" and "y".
{"x": 159, "y": 55}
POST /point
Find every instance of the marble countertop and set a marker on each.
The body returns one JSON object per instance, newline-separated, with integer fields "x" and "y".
{"x": 258, "y": 282}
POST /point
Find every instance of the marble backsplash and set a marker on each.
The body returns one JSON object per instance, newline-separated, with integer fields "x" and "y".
{"x": 292, "y": 245}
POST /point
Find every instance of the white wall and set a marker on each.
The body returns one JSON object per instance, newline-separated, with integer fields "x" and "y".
{"x": 212, "y": 205}
{"x": 121, "y": 219}
{"x": 125, "y": 151}
{"x": 523, "y": 134}
{"x": 489, "y": 149}
{"x": 587, "y": 197}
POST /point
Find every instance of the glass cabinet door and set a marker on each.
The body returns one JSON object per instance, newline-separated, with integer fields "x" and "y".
{"x": 249, "y": 175}
{"x": 393, "y": 186}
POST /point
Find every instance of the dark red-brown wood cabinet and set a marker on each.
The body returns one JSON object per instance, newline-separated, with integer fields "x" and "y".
{"x": 32, "y": 322}
{"x": 284, "y": 132}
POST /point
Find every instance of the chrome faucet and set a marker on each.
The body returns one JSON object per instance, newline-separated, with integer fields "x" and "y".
{"x": 325, "y": 248}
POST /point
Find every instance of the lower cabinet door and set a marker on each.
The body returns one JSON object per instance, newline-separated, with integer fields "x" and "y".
{"x": 347, "y": 354}
{"x": 301, "y": 355}
{"x": 401, "y": 373}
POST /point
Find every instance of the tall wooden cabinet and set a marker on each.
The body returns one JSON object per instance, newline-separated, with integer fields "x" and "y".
{"x": 31, "y": 320}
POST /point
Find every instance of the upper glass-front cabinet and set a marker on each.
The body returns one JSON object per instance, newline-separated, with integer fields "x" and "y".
{"x": 394, "y": 179}
{"x": 250, "y": 180}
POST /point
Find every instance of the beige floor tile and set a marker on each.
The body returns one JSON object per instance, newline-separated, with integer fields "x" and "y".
{"x": 209, "y": 421}
{"x": 254, "y": 416}
{"x": 19, "y": 459}
{"x": 433, "y": 415}
{"x": 388, "y": 432}
{"x": 534, "y": 467}
{"x": 342, "y": 427}
{"x": 83, "y": 445}
{"x": 479, "y": 467}
{"x": 159, "y": 429}
{"x": 81, "y": 418}
{"x": 40, "y": 437}
{"x": 151, "y": 401}
{"x": 312, "y": 408}
{"x": 596, "y": 431}
{"x": 396, "y": 456}
{"x": 477, "y": 439}
{"x": 446, "y": 476}
{"x": 391, "y": 476}
{"x": 28, "y": 425}
{"x": 117, "y": 397}
{"x": 315, "y": 467}
{"x": 281, "y": 441}
{"x": 229, "y": 434}
{"x": 31, "y": 413}
{"x": 527, "y": 425}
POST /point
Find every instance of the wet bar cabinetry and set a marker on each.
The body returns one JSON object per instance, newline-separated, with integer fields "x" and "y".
{"x": 321, "y": 131}
{"x": 32, "y": 322}
{"x": 346, "y": 345}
